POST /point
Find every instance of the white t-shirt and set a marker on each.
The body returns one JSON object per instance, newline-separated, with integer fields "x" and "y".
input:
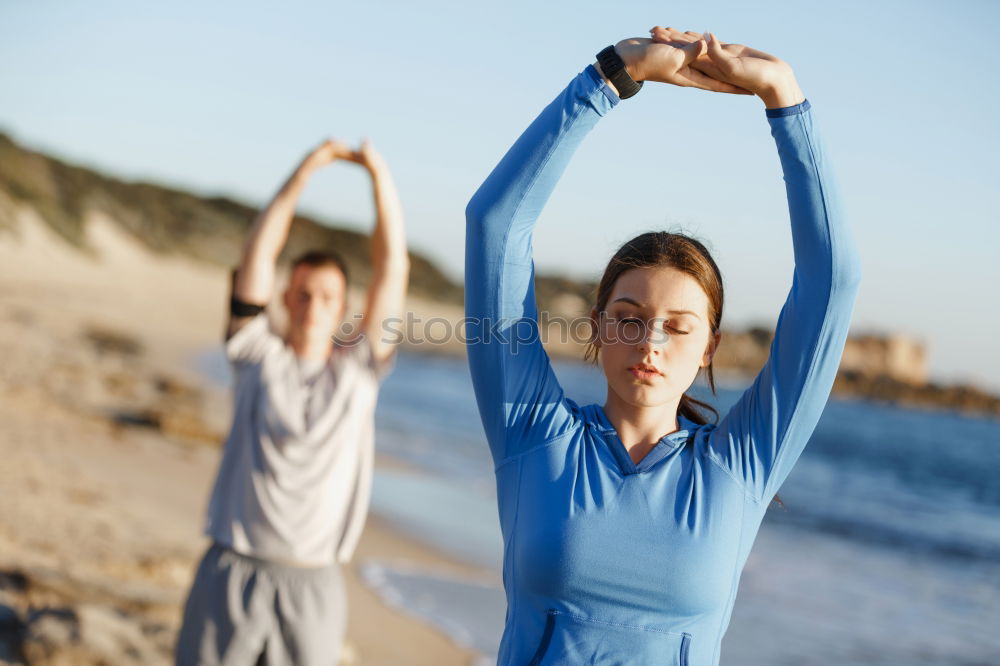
{"x": 294, "y": 482}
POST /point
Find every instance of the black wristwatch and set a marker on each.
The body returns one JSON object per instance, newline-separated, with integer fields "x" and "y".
{"x": 614, "y": 68}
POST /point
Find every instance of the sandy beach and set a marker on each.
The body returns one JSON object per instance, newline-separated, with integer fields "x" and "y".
{"x": 109, "y": 441}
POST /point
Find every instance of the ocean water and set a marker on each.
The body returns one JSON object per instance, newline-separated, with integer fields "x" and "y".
{"x": 887, "y": 550}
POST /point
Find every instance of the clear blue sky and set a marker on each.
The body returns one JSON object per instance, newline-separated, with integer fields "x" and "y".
{"x": 225, "y": 97}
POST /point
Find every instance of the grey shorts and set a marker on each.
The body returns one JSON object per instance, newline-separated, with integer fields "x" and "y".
{"x": 243, "y": 611}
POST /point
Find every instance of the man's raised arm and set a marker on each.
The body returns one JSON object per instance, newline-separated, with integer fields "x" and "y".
{"x": 254, "y": 281}
{"x": 390, "y": 261}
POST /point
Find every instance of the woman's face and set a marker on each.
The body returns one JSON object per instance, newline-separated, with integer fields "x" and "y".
{"x": 654, "y": 335}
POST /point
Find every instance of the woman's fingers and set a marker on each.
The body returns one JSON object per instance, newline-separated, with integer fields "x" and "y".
{"x": 658, "y": 31}
{"x": 694, "y": 68}
{"x": 676, "y": 57}
{"x": 693, "y": 71}
{"x": 691, "y": 77}
{"x": 707, "y": 67}
{"x": 719, "y": 58}
{"x": 755, "y": 53}
{"x": 733, "y": 67}
{"x": 692, "y": 51}
{"x": 678, "y": 39}
{"x": 673, "y": 34}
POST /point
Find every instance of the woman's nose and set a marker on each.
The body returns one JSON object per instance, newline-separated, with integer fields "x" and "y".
{"x": 647, "y": 344}
{"x": 651, "y": 341}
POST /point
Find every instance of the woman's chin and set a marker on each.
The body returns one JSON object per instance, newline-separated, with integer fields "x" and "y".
{"x": 643, "y": 396}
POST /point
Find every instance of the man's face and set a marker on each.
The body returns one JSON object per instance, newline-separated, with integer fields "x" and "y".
{"x": 316, "y": 298}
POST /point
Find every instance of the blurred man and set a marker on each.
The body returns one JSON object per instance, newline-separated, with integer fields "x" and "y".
{"x": 293, "y": 486}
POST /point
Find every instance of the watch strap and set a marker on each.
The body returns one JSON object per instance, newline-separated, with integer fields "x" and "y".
{"x": 613, "y": 68}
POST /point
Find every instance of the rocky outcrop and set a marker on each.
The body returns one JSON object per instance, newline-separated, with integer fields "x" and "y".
{"x": 886, "y": 368}
{"x": 894, "y": 357}
{"x": 868, "y": 357}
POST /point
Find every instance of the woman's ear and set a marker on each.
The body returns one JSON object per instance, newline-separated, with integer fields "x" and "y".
{"x": 713, "y": 346}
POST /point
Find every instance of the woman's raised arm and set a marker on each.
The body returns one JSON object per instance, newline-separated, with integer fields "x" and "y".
{"x": 764, "y": 433}
{"x": 516, "y": 389}
{"x": 519, "y": 399}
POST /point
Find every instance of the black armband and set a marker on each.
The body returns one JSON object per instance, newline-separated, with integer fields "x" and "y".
{"x": 238, "y": 308}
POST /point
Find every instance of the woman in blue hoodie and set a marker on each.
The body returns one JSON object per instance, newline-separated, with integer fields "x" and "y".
{"x": 626, "y": 525}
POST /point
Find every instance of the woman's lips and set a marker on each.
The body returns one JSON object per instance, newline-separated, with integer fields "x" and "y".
{"x": 642, "y": 371}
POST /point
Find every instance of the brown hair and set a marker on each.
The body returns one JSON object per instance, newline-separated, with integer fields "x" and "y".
{"x": 322, "y": 259}
{"x": 689, "y": 256}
